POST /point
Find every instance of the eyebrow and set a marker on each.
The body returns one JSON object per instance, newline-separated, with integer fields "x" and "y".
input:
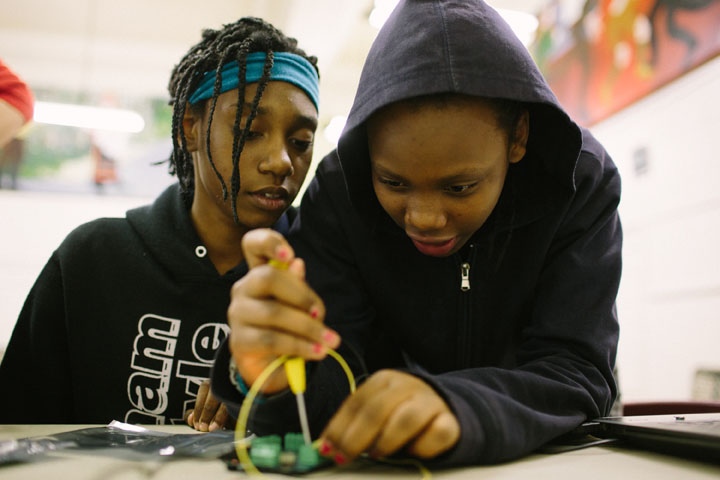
{"x": 302, "y": 121}
{"x": 247, "y": 108}
{"x": 305, "y": 121}
{"x": 464, "y": 175}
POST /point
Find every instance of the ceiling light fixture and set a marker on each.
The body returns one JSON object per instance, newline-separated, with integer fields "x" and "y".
{"x": 94, "y": 118}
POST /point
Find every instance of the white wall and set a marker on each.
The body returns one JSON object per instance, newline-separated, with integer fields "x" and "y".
{"x": 669, "y": 302}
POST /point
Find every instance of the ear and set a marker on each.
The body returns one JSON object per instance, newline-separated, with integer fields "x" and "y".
{"x": 518, "y": 148}
{"x": 192, "y": 123}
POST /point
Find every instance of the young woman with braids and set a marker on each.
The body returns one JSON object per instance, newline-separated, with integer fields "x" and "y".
{"x": 123, "y": 321}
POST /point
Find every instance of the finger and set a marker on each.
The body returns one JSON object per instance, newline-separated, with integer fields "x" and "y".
{"x": 208, "y": 412}
{"x": 297, "y": 266}
{"x": 189, "y": 418}
{"x": 203, "y": 390}
{"x": 441, "y": 435}
{"x": 270, "y": 316}
{"x": 266, "y": 343}
{"x": 284, "y": 286}
{"x": 361, "y": 417}
{"x": 405, "y": 423}
{"x": 222, "y": 419}
{"x": 263, "y": 244}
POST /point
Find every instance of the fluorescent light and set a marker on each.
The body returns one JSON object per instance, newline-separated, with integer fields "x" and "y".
{"x": 95, "y": 118}
{"x": 334, "y": 128}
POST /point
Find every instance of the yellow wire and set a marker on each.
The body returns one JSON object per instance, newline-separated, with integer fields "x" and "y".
{"x": 244, "y": 414}
{"x": 344, "y": 365}
{"x": 241, "y": 424}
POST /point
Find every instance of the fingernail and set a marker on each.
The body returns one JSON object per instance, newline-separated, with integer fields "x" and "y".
{"x": 190, "y": 418}
{"x": 324, "y": 449}
{"x": 283, "y": 253}
{"x": 317, "y": 348}
{"x": 314, "y": 312}
{"x": 203, "y": 427}
{"x": 330, "y": 337}
{"x": 339, "y": 458}
{"x": 214, "y": 426}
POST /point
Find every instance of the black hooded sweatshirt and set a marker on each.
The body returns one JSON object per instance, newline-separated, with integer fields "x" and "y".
{"x": 122, "y": 323}
{"x": 527, "y": 352}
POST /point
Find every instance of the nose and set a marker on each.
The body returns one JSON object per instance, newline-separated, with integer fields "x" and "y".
{"x": 424, "y": 214}
{"x": 277, "y": 161}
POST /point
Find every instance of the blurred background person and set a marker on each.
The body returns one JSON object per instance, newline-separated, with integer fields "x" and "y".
{"x": 16, "y": 110}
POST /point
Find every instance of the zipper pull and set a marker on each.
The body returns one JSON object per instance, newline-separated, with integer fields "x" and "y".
{"x": 465, "y": 277}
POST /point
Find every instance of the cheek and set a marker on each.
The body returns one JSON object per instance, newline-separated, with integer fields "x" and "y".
{"x": 474, "y": 220}
{"x": 392, "y": 204}
{"x": 471, "y": 215}
{"x": 301, "y": 164}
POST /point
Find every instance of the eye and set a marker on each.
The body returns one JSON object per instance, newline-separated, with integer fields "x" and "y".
{"x": 390, "y": 183}
{"x": 460, "y": 189}
{"x": 301, "y": 145}
{"x": 253, "y": 134}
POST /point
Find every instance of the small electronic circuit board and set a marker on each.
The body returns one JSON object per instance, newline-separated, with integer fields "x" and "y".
{"x": 289, "y": 455}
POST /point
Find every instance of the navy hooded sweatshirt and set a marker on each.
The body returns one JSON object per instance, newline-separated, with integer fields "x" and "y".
{"x": 122, "y": 324}
{"x": 527, "y": 352}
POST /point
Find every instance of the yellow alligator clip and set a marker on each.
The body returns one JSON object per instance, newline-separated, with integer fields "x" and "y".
{"x": 295, "y": 371}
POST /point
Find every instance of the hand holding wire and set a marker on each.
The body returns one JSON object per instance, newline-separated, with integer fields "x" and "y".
{"x": 273, "y": 311}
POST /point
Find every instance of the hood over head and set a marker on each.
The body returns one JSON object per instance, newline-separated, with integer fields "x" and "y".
{"x": 456, "y": 46}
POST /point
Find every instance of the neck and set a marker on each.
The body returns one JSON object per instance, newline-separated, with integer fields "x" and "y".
{"x": 220, "y": 235}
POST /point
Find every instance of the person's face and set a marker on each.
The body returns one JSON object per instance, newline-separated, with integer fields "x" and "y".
{"x": 438, "y": 170}
{"x": 274, "y": 160}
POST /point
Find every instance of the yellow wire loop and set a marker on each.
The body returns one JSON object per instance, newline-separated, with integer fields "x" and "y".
{"x": 244, "y": 414}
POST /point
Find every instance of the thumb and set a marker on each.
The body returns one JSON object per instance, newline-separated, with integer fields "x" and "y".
{"x": 263, "y": 244}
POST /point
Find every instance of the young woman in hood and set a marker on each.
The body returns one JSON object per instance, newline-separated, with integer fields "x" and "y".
{"x": 464, "y": 243}
{"x": 124, "y": 320}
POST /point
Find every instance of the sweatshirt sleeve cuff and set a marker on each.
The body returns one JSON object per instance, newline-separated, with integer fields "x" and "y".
{"x": 470, "y": 447}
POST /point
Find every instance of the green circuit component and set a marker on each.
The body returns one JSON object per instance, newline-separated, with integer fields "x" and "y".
{"x": 308, "y": 458}
{"x": 287, "y": 460}
{"x": 288, "y": 455}
{"x": 268, "y": 440}
{"x": 265, "y": 455}
{"x": 293, "y": 441}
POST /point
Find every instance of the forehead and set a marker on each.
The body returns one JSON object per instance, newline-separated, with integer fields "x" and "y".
{"x": 277, "y": 98}
{"x": 434, "y": 110}
{"x": 449, "y": 136}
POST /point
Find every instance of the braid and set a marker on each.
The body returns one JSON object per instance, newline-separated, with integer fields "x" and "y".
{"x": 239, "y": 143}
{"x": 216, "y": 91}
{"x": 234, "y": 41}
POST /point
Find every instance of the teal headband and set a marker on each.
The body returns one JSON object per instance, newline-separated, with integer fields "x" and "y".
{"x": 287, "y": 67}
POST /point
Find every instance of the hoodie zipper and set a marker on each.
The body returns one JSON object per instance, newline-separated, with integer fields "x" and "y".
{"x": 465, "y": 277}
{"x": 465, "y": 299}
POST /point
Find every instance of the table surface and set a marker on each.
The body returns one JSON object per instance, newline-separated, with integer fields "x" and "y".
{"x": 600, "y": 463}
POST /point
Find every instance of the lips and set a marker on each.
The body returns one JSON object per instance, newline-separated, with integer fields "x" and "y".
{"x": 434, "y": 247}
{"x": 271, "y": 198}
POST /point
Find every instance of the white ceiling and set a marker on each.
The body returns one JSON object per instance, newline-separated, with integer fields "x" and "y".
{"x": 128, "y": 47}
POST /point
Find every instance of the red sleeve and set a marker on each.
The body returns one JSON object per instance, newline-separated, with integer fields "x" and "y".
{"x": 15, "y": 92}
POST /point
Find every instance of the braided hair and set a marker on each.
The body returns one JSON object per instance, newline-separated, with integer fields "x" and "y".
{"x": 217, "y": 48}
